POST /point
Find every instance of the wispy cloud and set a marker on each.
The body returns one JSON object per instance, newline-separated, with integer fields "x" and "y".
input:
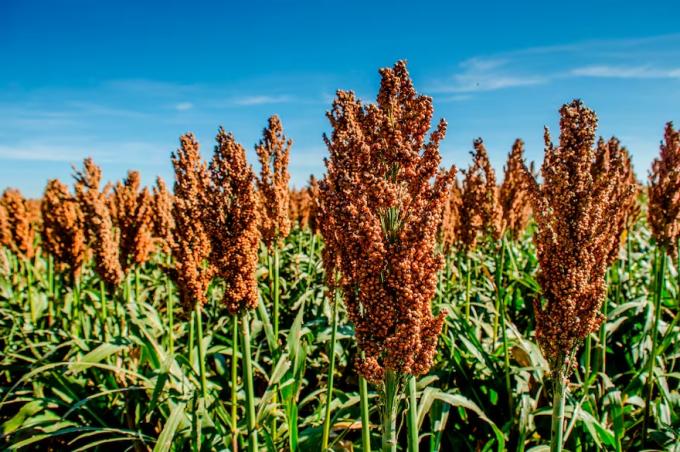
{"x": 644, "y": 58}
{"x": 184, "y": 106}
{"x": 262, "y": 100}
{"x": 629, "y": 72}
{"x": 33, "y": 152}
{"x": 485, "y": 74}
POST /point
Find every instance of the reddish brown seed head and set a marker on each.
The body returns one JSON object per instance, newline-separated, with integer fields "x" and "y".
{"x": 191, "y": 248}
{"x": 163, "y": 222}
{"x": 20, "y": 226}
{"x": 232, "y": 223}
{"x": 133, "y": 207}
{"x": 480, "y": 211}
{"x": 273, "y": 152}
{"x": 664, "y": 192}
{"x": 573, "y": 208}
{"x": 63, "y": 231}
{"x": 381, "y": 205}
{"x": 100, "y": 231}
{"x": 513, "y": 195}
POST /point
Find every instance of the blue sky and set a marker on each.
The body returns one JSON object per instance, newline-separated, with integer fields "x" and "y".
{"x": 120, "y": 81}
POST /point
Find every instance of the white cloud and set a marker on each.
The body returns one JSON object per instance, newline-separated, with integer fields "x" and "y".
{"x": 629, "y": 72}
{"x": 184, "y": 106}
{"x": 37, "y": 152}
{"x": 262, "y": 100}
{"x": 486, "y": 74}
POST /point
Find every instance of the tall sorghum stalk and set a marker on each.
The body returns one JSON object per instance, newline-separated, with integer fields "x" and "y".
{"x": 663, "y": 217}
{"x": 365, "y": 415}
{"x": 479, "y": 211}
{"x": 583, "y": 187}
{"x": 412, "y": 415}
{"x": 22, "y": 231}
{"x": 251, "y": 433}
{"x": 191, "y": 248}
{"x": 382, "y": 200}
{"x": 234, "y": 381}
{"x": 331, "y": 371}
{"x": 273, "y": 152}
{"x": 390, "y": 411}
{"x": 232, "y": 222}
{"x": 659, "y": 279}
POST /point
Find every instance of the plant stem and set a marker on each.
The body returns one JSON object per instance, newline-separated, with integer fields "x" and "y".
{"x": 658, "y": 294}
{"x": 170, "y": 311}
{"x": 468, "y": 270}
{"x": 201, "y": 357}
{"x": 29, "y": 292}
{"x": 50, "y": 290}
{"x": 559, "y": 396}
{"x": 191, "y": 339}
{"x": 234, "y": 382}
{"x": 499, "y": 289}
{"x": 331, "y": 371}
{"x": 390, "y": 409}
{"x": 137, "y": 284}
{"x": 102, "y": 298}
{"x": 412, "y": 420}
{"x": 506, "y": 358}
{"x": 275, "y": 289}
{"x": 586, "y": 364}
{"x": 248, "y": 380}
{"x": 365, "y": 424}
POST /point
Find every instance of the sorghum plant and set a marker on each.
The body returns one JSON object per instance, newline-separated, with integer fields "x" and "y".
{"x": 133, "y": 218}
{"x": 480, "y": 212}
{"x": 163, "y": 222}
{"x": 573, "y": 207}
{"x": 663, "y": 216}
{"x": 232, "y": 224}
{"x": 100, "y": 232}
{"x": 20, "y": 226}
{"x": 63, "y": 233}
{"x": 513, "y": 194}
{"x": 382, "y": 200}
{"x": 191, "y": 247}
{"x": 451, "y": 217}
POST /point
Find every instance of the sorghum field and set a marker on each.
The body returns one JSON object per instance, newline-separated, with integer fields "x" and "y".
{"x": 390, "y": 305}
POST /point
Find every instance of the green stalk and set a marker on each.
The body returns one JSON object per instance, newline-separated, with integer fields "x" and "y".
{"x": 201, "y": 358}
{"x": 365, "y": 424}
{"x": 602, "y": 361}
{"x": 390, "y": 409}
{"x": 29, "y": 293}
{"x": 191, "y": 339}
{"x": 412, "y": 419}
{"x": 50, "y": 290}
{"x": 658, "y": 294}
{"x": 102, "y": 298}
{"x": 170, "y": 308}
{"x": 276, "y": 293}
{"x": 467, "y": 287}
{"x": 276, "y": 288}
{"x": 248, "y": 380}
{"x": 506, "y": 358}
{"x": 499, "y": 291}
{"x": 586, "y": 364}
{"x": 75, "y": 305}
{"x": 559, "y": 396}
{"x": 234, "y": 382}
{"x": 331, "y": 371}
{"x": 137, "y": 284}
